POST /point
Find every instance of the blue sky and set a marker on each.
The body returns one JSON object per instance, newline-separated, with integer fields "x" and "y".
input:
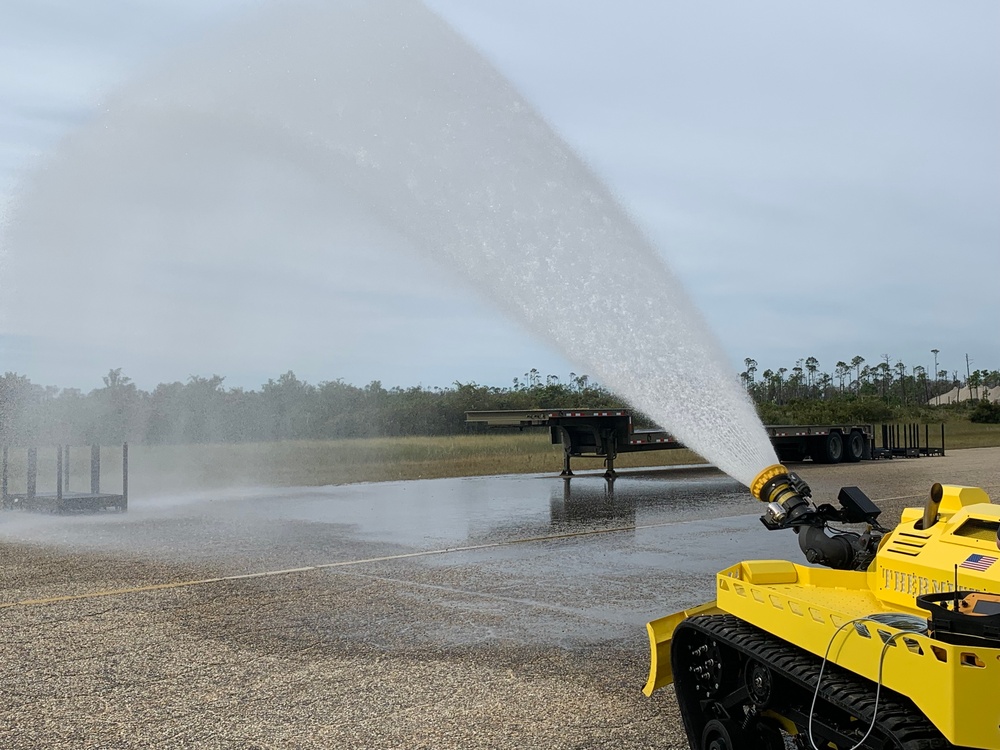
{"x": 824, "y": 179}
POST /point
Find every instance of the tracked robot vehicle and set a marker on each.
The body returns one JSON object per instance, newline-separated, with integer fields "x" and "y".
{"x": 894, "y": 644}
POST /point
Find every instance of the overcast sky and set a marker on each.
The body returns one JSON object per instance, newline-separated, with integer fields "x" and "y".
{"x": 824, "y": 178}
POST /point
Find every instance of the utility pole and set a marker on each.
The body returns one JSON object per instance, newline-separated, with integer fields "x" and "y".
{"x": 937, "y": 390}
{"x": 968, "y": 375}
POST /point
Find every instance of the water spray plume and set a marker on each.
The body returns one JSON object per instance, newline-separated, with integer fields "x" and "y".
{"x": 376, "y": 111}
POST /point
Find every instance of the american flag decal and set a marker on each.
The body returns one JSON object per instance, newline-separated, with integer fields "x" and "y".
{"x": 978, "y": 562}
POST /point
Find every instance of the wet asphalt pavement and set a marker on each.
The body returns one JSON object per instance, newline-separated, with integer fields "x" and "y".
{"x": 583, "y": 561}
{"x": 476, "y": 612}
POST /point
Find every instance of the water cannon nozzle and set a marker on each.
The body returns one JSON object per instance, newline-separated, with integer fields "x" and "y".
{"x": 764, "y": 477}
{"x": 784, "y": 492}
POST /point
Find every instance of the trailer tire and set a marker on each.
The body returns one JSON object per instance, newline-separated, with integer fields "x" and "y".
{"x": 828, "y": 449}
{"x": 854, "y": 447}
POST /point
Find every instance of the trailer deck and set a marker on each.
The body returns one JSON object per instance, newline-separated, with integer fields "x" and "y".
{"x": 583, "y": 432}
{"x": 605, "y": 433}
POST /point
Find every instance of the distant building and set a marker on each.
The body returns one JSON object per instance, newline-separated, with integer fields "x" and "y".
{"x": 964, "y": 394}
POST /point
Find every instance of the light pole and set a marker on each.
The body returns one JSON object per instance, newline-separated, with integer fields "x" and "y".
{"x": 937, "y": 391}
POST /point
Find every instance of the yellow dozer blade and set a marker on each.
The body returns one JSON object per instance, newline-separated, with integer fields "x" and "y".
{"x": 660, "y": 634}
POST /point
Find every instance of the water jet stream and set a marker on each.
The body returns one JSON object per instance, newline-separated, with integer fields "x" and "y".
{"x": 381, "y": 111}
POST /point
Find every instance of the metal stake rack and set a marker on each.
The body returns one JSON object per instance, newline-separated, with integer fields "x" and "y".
{"x": 63, "y": 500}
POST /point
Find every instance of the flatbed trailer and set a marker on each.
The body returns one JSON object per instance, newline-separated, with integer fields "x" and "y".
{"x": 606, "y": 433}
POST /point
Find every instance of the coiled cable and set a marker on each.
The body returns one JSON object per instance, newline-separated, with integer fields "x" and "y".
{"x": 906, "y": 624}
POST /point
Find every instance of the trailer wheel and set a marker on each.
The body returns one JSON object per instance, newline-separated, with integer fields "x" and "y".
{"x": 854, "y": 447}
{"x": 828, "y": 449}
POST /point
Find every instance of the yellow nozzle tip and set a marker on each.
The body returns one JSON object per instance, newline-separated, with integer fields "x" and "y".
{"x": 764, "y": 477}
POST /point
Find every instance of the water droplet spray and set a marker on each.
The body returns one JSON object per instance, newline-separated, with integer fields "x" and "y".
{"x": 382, "y": 111}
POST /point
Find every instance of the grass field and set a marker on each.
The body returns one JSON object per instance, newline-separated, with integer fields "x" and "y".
{"x": 316, "y": 463}
{"x": 963, "y": 434}
{"x": 160, "y": 468}
{"x": 155, "y": 469}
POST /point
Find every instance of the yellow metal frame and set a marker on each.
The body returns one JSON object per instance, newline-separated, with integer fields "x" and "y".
{"x": 956, "y": 687}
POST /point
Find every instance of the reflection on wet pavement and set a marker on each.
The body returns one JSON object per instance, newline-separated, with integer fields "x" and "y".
{"x": 534, "y": 558}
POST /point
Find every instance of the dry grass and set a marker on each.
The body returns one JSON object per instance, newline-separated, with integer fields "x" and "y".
{"x": 317, "y": 463}
{"x": 963, "y": 434}
{"x": 325, "y": 462}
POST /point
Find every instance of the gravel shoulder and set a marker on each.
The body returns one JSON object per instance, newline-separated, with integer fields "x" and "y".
{"x": 332, "y": 658}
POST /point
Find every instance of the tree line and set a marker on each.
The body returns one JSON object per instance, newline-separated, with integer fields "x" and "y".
{"x": 858, "y": 390}
{"x": 203, "y": 410}
{"x": 895, "y": 383}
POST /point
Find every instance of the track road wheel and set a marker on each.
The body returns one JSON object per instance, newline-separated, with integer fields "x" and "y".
{"x": 759, "y": 683}
{"x": 722, "y": 735}
{"x": 854, "y": 447}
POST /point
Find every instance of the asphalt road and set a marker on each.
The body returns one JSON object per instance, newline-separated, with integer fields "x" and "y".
{"x": 467, "y": 613}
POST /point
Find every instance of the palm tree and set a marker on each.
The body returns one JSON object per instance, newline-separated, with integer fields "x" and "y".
{"x": 842, "y": 372}
{"x": 796, "y": 379}
{"x": 901, "y": 371}
{"x": 768, "y": 377}
{"x": 856, "y": 363}
{"x": 824, "y": 382}
{"x": 812, "y": 365}
{"x": 975, "y": 380}
{"x": 920, "y": 373}
{"x": 867, "y": 374}
{"x": 885, "y": 376}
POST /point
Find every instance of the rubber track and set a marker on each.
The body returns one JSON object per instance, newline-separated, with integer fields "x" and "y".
{"x": 897, "y": 718}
